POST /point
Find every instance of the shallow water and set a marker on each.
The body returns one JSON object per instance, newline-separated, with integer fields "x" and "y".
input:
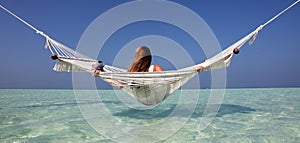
{"x": 245, "y": 115}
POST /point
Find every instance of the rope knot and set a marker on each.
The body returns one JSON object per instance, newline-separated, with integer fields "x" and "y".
{"x": 39, "y": 32}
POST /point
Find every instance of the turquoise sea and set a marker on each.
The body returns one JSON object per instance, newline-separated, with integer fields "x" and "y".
{"x": 245, "y": 115}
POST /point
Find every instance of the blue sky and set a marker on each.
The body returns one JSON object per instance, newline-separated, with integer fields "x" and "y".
{"x": 272, "y": 61}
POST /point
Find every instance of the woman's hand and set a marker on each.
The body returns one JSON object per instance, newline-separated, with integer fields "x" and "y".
{"x": 199, "y": 68}
{"x": 96, "y": 72}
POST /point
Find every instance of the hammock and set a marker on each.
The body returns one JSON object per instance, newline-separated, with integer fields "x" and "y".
{"x": 149, "y": 88}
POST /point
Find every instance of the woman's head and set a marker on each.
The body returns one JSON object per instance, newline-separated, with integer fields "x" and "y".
{"x": 142, "y": 60}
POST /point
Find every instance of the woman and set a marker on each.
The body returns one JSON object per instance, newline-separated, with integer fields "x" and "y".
{"x": 142, "y": 62}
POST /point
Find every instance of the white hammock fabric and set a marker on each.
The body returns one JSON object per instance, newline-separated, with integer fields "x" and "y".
{"x": 148, "y": 88}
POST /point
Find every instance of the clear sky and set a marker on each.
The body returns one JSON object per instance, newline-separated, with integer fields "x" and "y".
{"x": 272, "y": 61}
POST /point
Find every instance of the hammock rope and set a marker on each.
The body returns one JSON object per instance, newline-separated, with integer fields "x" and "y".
{"x": 280, "y": 13}
{"x": 26, "y": 23}
{"x": 149, "y": 88}
{"x": 37, "y": 31}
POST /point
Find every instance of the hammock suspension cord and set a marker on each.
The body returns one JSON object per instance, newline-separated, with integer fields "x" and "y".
{"x": 42, "y": 33}
{"x": 280, "y": 13}
{"x": 29, "y": 25}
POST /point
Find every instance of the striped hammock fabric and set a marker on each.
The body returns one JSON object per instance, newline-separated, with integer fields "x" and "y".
{"x": 149, "y": 88}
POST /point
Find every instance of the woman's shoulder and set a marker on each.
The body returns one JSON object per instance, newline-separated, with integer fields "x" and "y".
{"x": 155, "y": 68}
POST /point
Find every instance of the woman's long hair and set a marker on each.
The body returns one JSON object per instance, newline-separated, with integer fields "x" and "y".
{"x": 142, "y": 60}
